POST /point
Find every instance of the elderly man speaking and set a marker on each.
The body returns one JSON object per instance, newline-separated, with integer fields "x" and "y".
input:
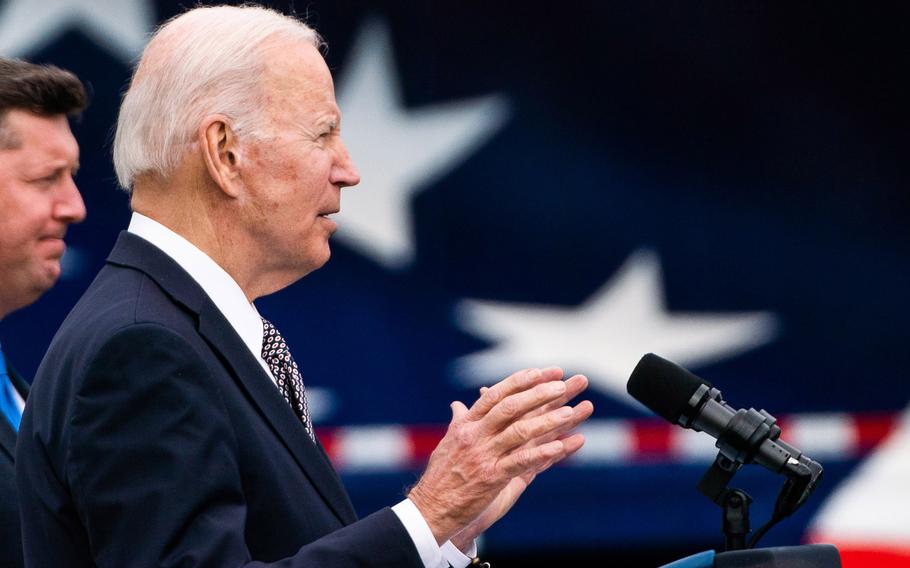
{"x": 168, "y": 424}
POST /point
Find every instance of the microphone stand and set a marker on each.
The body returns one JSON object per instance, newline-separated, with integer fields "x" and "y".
{"x": 734, "y": 503}
{"x": 802, "y": 474}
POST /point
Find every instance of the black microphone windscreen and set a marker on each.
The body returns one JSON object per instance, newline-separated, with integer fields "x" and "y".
{"x": 663, "y": 386}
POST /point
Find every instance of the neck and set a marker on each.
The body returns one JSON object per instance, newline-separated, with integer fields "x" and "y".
{"x": 215, "y": 228}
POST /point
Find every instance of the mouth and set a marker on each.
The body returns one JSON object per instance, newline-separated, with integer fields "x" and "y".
{"x": 56, "y": 246}
{"x": 330, "y": 224}
{"x": 51, "y": 239}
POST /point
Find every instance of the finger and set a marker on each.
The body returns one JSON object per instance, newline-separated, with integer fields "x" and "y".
{"x": 516, "y": 406}
{"x": 458, "y": 410}
{"x": 528, "y": 429}
{"x": 489, "y": 396}
{"x": 571, "y": 443}
{"x": 516, "y": 382}
{"x": 581, "y": 412}
{"x": 512, "y": 491}
{"x": 529, "y": 459}
{"x": 551, "y": 426}
{"x": 575, "y": 385}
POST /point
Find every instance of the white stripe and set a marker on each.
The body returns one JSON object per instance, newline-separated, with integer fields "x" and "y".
{"x": 692, "y": 446}
{"x": 606, "y": 441}
{"x": 372, "y": 448}
{"x": 823, "y": 435}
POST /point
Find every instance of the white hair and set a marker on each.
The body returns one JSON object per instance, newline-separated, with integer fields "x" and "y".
{"x": 205, "y": 61}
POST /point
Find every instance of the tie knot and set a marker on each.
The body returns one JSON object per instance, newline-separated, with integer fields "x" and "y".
{"x": 268, "y": 327}
{"x": 272, "y": 343}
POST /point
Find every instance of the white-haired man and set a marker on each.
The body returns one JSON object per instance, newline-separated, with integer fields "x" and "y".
{"x": 168, "y": 424}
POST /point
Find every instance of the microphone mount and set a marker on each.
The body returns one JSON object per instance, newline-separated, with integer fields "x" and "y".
{"x": 738, "y": 443}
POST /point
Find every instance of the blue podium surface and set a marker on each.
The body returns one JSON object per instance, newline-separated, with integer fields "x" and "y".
{"x": 701, "y": 560}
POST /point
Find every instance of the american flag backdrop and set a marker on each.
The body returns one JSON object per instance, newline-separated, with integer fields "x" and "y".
{"x": 580, "y": 183}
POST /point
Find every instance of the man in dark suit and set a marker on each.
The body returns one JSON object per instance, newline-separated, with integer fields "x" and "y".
{"x": 168, "y": 423}
{"x": 38, "y": 199}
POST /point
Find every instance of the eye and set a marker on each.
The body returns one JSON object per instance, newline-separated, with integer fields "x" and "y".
{"x": 53, "y": 178}
{"x": 46, "y": 180}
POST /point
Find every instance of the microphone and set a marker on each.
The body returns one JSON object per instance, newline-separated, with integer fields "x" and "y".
{"x": 743, "y": 436}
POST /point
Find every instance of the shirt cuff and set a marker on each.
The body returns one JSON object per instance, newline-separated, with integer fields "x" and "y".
{"x": 420, "y": 533}
{"x": 457, "y": 558}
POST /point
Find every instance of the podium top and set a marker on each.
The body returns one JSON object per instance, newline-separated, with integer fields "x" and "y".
{"x": 805, "y": 556}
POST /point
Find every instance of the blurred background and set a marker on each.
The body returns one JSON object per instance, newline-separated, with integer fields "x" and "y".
{"x": 580, "y": 183}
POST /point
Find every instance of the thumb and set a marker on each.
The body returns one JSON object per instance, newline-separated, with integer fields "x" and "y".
{"x": 459, "y": 410}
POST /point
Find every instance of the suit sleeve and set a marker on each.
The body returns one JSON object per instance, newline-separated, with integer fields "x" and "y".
{"x": 152, "y": 463}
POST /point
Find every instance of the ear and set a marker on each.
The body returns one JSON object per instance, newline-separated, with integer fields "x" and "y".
{"x": 221, "y": 152}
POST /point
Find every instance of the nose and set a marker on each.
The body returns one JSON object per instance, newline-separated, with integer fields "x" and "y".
{"x": 69, "y": 207}
{"x": 344, "y": 172}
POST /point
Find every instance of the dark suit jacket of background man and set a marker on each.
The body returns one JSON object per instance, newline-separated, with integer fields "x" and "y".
{"x": 10, "y": 539}
{"x": 153, "y": 437}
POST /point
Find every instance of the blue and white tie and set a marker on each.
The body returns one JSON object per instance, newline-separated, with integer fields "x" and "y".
{"x": 8, "y": 405}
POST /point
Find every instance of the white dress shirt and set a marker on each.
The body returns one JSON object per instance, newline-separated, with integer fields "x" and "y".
{"x": 227, "y": 296}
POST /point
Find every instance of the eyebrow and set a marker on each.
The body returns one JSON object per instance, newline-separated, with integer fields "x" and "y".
{"x": 64, "y": 168}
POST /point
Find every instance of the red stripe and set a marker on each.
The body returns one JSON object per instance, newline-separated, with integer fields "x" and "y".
{"x": 424, "y": 440}
{"x": 651, "y": 440}
{"x": 859, "y": 558}
{"x": 328, "y": 440}
{"x": 872, "y": 429}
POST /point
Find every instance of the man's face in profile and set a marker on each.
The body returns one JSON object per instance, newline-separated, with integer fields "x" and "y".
{"x": 38, "y": 199}
{"x": 296, "y": 171}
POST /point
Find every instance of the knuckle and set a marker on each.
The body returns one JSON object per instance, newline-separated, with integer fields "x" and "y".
{"x": 524, "y": 458}
{"x": 487, "y": 473}
{"x": 522, "y": 430}
{"x": 553, "y": 450}
{"x": 493, "y": 395}
{"x": 508, "y": 407}
{"x": 552, "y": 421}
{"x": 465, "y": 436}
{"x": 542, "y": 393}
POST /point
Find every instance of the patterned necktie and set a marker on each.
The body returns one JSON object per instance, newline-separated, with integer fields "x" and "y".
{"x": 276, "y": 354}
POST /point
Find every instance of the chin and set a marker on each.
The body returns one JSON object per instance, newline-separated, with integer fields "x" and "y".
{"x": 316, "y": 259}
{"x": 50, "y": 274}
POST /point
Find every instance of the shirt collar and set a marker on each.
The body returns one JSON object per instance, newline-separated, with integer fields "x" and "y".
{"x": 215, "y": 282}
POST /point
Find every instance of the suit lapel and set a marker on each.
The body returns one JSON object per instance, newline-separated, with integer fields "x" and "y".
{"x": 7, "y": 434}
{"x": 135, "y": 252}
{"x": 7, "y": 439}
{"x": 259, "y": 387}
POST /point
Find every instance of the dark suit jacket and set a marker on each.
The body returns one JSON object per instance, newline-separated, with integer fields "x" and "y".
{"x": 10, "y": 536}
{"x": 154, "y": 438}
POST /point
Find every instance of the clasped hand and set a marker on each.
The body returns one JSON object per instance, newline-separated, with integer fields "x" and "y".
{"x": 492, "y": 451}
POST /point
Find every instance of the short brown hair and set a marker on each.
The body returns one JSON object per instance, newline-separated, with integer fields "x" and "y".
{"x": 42, "y": 89}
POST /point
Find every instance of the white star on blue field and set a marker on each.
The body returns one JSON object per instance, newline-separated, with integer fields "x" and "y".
{"x": 606, "y": 336}
{"x": 121, "y": 26}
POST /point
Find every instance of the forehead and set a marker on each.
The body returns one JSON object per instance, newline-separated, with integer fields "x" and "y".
{"x": 41, "y": 139}
{"x": 297, "y": 79}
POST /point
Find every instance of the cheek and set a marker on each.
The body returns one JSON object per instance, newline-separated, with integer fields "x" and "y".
{"x": 22, "y": 220}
